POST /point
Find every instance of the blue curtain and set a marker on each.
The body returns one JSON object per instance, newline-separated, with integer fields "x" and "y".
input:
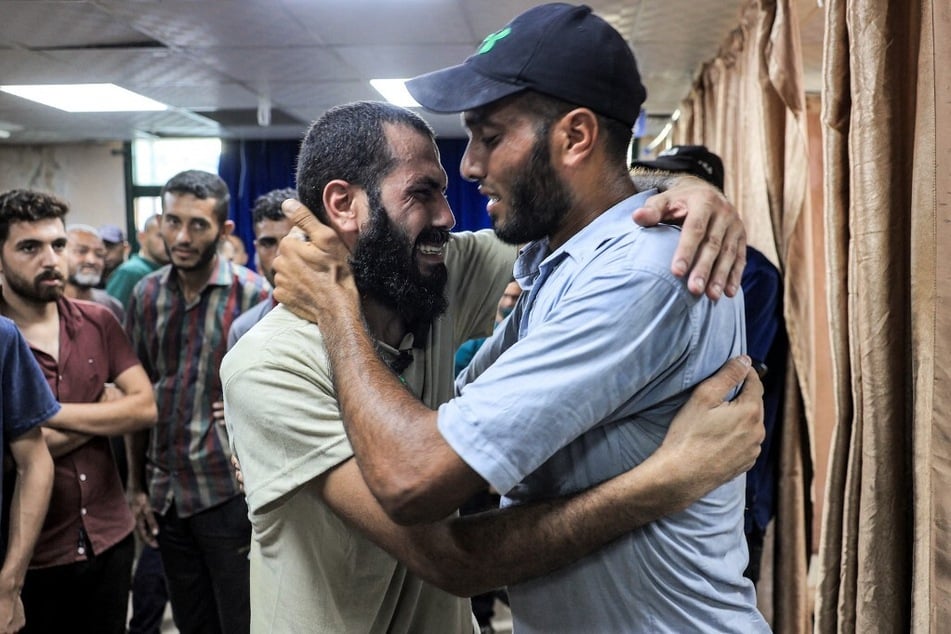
{"x": 466, "y": 202}
{"x": 252, "y": 168}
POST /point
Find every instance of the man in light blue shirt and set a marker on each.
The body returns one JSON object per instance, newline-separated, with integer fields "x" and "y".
{"x": 575, "y": 419}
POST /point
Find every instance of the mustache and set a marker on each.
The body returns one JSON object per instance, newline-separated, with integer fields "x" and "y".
{"x": 49, "y": 275}
{"x": 433, "y": 236}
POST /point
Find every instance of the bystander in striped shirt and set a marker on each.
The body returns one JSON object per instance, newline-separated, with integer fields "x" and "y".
{"x": 181, "y": 346}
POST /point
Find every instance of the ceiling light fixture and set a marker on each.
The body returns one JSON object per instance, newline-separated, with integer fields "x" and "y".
{"x": 394, "y": 91}
{"x": 86, "y": 97}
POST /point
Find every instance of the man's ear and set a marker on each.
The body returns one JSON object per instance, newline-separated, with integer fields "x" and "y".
{"x": 227, "y": 228}
{"x": 575, "y": 135}
{"x": 341, "y": 204}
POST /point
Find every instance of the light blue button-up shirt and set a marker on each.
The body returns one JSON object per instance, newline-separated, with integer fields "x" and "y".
{"x": 580, "y": 384}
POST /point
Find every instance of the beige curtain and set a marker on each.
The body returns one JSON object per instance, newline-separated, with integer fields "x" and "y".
{"x": 887, "y": 110}
{"x": 748, "y": 106}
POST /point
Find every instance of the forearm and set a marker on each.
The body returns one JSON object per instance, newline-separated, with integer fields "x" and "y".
{"x": 107, "y": 418}
{"x": 136, "y": 446}
{"x": 471, "y": 554}
{"x": 61, "y": 442}
{"x": 31, "y": 497}
{"x": 397, "y": 445}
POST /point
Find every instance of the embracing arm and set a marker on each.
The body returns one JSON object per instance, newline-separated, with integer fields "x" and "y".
{"x": 409, "y": 467}
{"x": 405, "y": 460}
{"x": 130, "y": 409}
{"x": 712, "y": 245}
{"x": 31, "y": 495}
{"x": 709, "y": 442}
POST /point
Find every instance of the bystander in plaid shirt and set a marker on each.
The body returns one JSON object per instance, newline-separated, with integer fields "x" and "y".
{"x": 181, "y": 346}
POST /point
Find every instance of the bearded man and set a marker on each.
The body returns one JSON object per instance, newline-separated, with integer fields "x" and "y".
{"x": 178, "y": 319}
{"x": 325, "y": 555}
{"x": 85, "y": 256}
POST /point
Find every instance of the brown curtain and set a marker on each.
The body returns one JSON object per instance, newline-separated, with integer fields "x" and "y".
{"x": 884, "y": 558}
{"x": 748, "y": 106}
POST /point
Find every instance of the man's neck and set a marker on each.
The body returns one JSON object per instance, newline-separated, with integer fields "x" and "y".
{"x": 145, "y": 256}
{"x": 26, "y": 313}
{"x": 78, "y": 292}
{"x": 383, "y": 322}
{"x": 193, "y": 281}
{"x": 591, "y": 202}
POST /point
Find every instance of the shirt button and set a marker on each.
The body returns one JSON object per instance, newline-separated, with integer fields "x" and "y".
{"x": 81, "y": 550}
{"x": 82, "y": 477}
{"x": 82, "y": 511}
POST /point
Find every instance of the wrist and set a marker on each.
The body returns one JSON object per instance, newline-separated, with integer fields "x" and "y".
{"x": 10, "y": 583}
{"x": 675, "y": 482}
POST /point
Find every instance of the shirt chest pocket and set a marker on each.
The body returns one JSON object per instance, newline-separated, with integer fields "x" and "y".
{"x": 92, "y": 374}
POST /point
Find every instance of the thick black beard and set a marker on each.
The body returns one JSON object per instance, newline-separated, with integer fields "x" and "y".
{"x": 384, "y": 268}
{"x": 540, "y": 200}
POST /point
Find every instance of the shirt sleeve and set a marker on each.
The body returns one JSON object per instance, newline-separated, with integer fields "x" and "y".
{"x": 296, "y": 433}
{"x": 602, "y": 345}
{"x": 27, "y": 399}
{"x": 135, "y": 327}
{"x": 121, "y": 354}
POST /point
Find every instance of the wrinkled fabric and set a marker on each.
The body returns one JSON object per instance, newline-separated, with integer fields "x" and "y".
{"x": 884, "y": 550}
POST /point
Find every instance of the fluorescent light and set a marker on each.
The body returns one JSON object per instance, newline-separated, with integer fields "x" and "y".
{"x": 86, "y": 97}
{"x": 394, "y": 91}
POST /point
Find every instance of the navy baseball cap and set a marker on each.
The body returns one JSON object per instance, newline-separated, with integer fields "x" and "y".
{"x": 696, "y": 160}
{"x": 558, "y": 49}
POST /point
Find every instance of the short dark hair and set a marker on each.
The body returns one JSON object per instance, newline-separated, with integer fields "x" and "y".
{"x": 268, "y": 206}
{"x": 547, "y": 110}
{"x": 201, "y": 185}
{"x": 151, "y": 220}
{"x": 349, "y": 142}
{"x": 26, "y": 205}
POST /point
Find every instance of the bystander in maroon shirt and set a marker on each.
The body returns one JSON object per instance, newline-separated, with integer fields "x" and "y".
{"x": 88, "y": 499}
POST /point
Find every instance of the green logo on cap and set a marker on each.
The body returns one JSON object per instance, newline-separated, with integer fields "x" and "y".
{"x": 490, "y": 41}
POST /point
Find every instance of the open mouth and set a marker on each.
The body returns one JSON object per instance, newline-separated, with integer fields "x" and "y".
{"x": 432, "y": 242}
{"x": 432, "y": 249}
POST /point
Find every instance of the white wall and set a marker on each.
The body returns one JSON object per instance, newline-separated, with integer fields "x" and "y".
{"x": 88, "y": 176}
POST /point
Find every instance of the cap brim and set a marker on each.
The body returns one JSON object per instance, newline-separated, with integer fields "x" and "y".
{"x": 457, "y": 89}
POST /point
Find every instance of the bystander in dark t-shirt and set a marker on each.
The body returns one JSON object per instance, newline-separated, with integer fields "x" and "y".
{"x": 25, "y": 402}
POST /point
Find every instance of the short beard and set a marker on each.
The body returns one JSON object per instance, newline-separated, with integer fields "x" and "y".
{"x": 384, "y": 268}
{"x": 204, "y": 257}
{"x": 35, "y": 293}
{"x": 540, "y": 200}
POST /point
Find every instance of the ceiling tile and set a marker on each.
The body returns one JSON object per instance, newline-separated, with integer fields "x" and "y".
{"x": 33, "y": 24}
{"x": 376, "y": 22}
